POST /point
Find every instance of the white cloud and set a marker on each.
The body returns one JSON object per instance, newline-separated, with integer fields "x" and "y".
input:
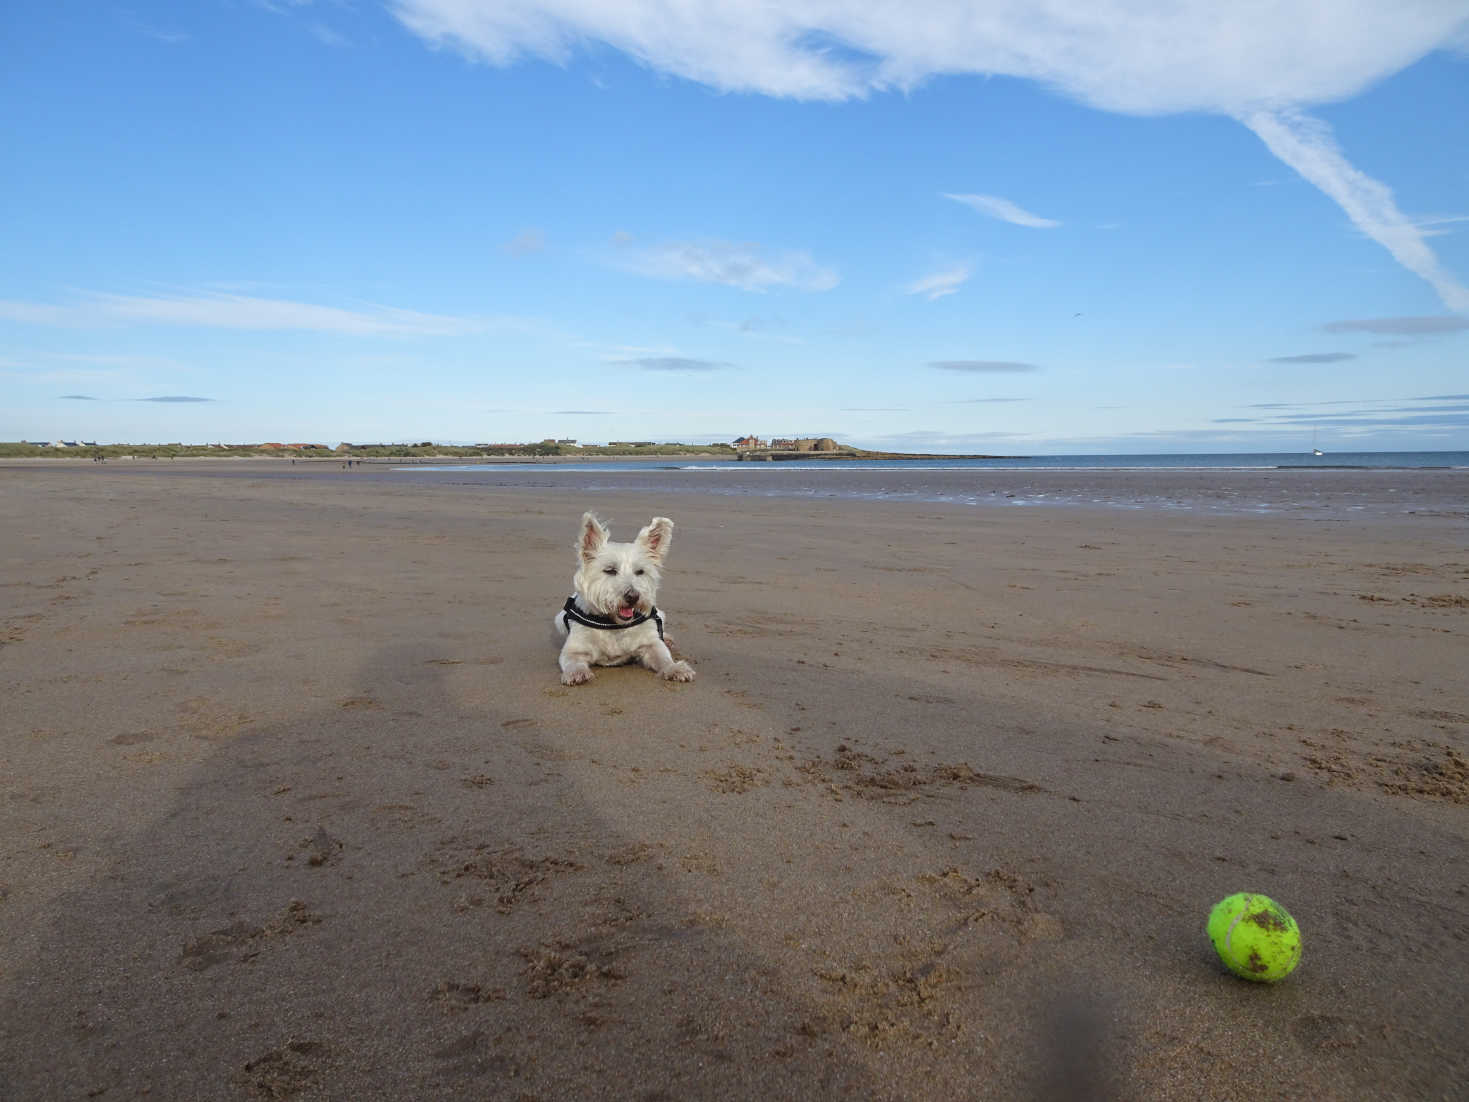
{"x": 742, "y": 265}
{"x": 1260, "y": 61}
{"x": 1004, "y": 210}
{"x": 939, "y": 284}
{"x": 225, "y": 311}
{"x": 1120, "y": 55}
{"x": 1307, "y": 145}
{"x": 1437, "y": 225}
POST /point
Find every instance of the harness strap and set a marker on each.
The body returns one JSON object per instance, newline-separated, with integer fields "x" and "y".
{"x": 571, "y": 614}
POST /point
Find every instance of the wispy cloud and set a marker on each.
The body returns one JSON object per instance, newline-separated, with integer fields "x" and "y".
{"x": 1314, "y": 358}
{"x": 770, "y": 329}
{"x": 1225, "y": 59}
{"x": 676, "y": 364}
{"x": 748, "y": 266}
{"x": 1410, "y": 327}
{"x": 758, "y": 325}
{"x": 168, "y": 37}
{"x": 930, "y": 440}
{"x": 37, "y": 313}
{"x": 329, "y": 36}
{"x": 230, "y": 311}
{"x": 1195, "y": 56}
{"x": 167, "y": 399}
{"x": 1444, "y": 411}
{"x": 1439, "y": 225}
{"x": 74, "y": 369}
{"x": 939, "y": 284}
{"x": 1306, "y": 144}
{"x": 583, "y": 412}
{"x": 983, "y": 401}
{"x": 526, "y": 241}
{"x": 282, "y": 7}
{"x": 1004, "y": 210}
{"x": 983, "y": 367}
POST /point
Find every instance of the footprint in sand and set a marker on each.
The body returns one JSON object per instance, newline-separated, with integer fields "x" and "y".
{"x": 474, "y": 1055}
{"x": 286, "y": 1071}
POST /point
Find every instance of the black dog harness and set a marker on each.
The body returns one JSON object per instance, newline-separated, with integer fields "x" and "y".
{"x": 571, "y": 614}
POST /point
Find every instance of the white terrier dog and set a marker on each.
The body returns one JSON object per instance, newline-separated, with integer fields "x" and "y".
{"x": 611, "y": 619}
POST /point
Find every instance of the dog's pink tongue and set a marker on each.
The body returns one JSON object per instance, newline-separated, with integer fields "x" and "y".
{"x": 628, "y": 612}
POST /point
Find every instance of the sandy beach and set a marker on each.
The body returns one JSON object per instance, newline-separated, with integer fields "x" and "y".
{"x": 295, "y": 805}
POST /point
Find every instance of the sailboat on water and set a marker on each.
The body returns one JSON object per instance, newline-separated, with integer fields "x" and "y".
{"x": 1314, "y": 449}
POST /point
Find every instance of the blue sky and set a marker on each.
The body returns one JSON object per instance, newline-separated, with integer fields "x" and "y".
{"x": 1058, "y": 226}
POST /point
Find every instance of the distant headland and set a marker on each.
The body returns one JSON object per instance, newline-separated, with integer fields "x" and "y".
{"x": 745, "y": 449}
{"x": 752, "y": 448}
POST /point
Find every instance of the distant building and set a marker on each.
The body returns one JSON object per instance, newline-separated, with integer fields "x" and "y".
{"x": 805, "y": 444}
{"x": 751, "y": 441}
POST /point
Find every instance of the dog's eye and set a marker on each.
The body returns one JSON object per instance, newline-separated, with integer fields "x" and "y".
{"x": 612, "y": 570}
{"x": 637, "y": 571}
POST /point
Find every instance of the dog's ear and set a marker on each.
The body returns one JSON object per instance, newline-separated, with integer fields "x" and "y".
{"x": 655, "y": 538}
{"x": 592, "y": 538}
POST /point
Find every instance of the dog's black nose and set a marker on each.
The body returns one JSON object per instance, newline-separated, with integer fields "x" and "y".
{"x": 631, "y": 596}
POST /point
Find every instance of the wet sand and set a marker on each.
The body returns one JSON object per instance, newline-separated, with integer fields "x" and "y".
{"x": 296, "y": 807}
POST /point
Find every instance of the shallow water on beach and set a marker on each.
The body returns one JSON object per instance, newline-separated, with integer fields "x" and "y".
{"x": 1221, "y": 461}
{"x": 1300, "y": 487}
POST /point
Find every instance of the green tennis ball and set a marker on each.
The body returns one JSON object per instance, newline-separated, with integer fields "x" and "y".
{"x": 1255, "y": 937}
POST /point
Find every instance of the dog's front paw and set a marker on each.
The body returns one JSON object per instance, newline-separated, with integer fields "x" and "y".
{"x": 577, "y": 677}
{"x": 679, "y": 671}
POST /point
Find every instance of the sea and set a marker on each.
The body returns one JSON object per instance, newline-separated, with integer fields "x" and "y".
{"x": 1340, "y": 484}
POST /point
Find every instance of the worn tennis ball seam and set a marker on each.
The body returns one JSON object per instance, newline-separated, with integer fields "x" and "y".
{"x": 1229, "y": 933}
{"x": 1256, "y": 963}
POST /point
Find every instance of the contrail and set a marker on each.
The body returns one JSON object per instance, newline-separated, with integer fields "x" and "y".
{"x": 1306, "y": 144}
